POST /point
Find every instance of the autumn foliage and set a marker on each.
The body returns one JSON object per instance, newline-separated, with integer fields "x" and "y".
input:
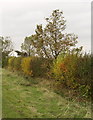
{"x": 73, "y": 71}
{"x": 70, "y": 70}
{"x": 30, "y": 66}
{"x": 26, "y": 66}
{"x": 11, "y": 63}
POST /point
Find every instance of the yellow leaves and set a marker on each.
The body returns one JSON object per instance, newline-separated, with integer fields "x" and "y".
{"x": 26, "y": 66}
{"x": 34, "y": 66}
{"x": 11, "y": 63}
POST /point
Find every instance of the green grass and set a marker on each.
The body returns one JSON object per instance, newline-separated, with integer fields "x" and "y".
{"x": 29, "y": 99}
{"x": 0, "y": 93}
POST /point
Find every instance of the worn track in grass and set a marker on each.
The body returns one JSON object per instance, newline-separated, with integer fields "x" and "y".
{"x": 23, "y": 99}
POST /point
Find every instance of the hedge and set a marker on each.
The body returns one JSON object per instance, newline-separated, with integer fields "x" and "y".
{"x": 11, "y": 63}
{"x": 35, "y": 66}
{"x": 17, "y": 64}
{"x": 72, "y": 70}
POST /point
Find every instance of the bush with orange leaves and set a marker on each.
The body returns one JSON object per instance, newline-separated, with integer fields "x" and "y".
{"x": 64, "y": 70}
{"x": 72, "y": 71}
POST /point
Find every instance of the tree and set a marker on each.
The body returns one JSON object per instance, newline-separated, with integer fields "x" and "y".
{"x": 51, "y": 41}
{"x": 27, "y": 46}
{"x": 5, "y": 48}
{"x": 6, "y": 45}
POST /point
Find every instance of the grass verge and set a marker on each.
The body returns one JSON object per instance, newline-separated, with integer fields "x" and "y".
{"x": 28, "y": 99}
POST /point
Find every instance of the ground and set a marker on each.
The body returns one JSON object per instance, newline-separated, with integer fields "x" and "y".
{"x": 23, "y": 98}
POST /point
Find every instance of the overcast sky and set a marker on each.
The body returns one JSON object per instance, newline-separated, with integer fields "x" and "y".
{"x": 20, "y": 17}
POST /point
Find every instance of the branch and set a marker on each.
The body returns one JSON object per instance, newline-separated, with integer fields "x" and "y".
{"x": 51, "y": 50}
{"x": 45, "y": 52}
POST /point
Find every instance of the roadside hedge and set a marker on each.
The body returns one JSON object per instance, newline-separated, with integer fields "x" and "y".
{"x": 17, "y": 63}
{"x": 26, "y": 66}
{"x": 35, "y": 66}
{"x": 11, "y": 63}
{"x": 72, "y": 71}
{"x": 30, "y": 66}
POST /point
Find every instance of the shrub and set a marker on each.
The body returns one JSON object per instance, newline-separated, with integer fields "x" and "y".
{"x": 26, "y": 66}
{"x": 40, "y": 66}
{"x": 45, "y": 67}
{"x": 4, "y": 62}
{"x": 17, "y": 63}
{"x": 83, "y": 69}
{"x": 4, "y": 59}
{"x": 64, "y": 69}
{"x": 72, "y": 70}
{"x": 35, "y": 66}
{"x": 11, "y": 63}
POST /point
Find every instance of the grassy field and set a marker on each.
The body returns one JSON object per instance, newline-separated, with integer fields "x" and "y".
{"x": 34, "y": 99}
{"x": 0, "y": 93}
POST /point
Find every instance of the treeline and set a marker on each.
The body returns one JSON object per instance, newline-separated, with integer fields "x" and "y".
{"x": 70, "y": 71}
